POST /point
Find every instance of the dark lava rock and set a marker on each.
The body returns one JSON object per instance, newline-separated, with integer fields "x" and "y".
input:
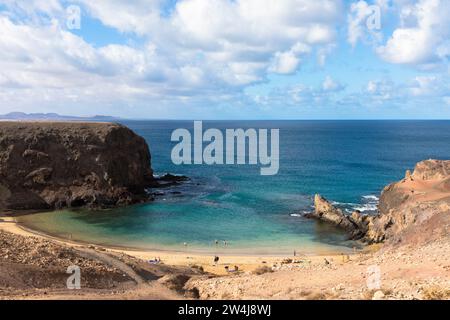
{"x": 169, "y": 180}
{"x": 172, "y": 178}
{"x": 48, "y": 165}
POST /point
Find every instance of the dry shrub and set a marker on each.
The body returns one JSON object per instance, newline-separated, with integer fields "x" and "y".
{"x": 367, "y": 294}
{"x": 316, "y": 296}
{"x": 436, "y": 293}
{"x": 262, "y": 269}
{"x": 197, "y": 267}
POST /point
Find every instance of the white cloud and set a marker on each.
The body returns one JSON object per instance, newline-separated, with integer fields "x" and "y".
{"x": 429, "y": 86}
{"x": 424, "y": 85}
{"x": 207, "y": 52}
{"x": 364, "y": 22}
{"x": 420, "y": 36}
{"x": 323, "y": 53}
{"x": 381, "y": 90}
{"x": 288, "y": 62}
{"x": 285, "y": 63}
{"x": 34, "y": 11}
{"x": 303, "y": 95}
{"x": 330, "y": 85}
{"x": 203, "y": 49}
{"x": 137, "y": 16}
{"x": 447, "y": 100}
{"x": 423, "y": 35}
{"x": 265, "y": 34}
{"x": 425, "y": 90}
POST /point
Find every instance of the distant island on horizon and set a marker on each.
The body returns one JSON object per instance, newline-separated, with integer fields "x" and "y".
{"x": 54, "y": 117}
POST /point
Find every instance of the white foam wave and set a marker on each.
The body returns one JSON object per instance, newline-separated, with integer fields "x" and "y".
{"x": 335, "y": 203}
{"x": 371, "y": 197}
{"x": 303, "y": 212}
{"x": 366, "y": 207}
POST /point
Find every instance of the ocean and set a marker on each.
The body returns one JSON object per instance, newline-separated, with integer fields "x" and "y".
{"x": 348, "y": 162}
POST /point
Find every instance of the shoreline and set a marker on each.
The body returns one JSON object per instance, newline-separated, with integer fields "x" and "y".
{"x": 246, "y": 262}
{"x": 408, "y": 272}
{"x": 308, "y": 250}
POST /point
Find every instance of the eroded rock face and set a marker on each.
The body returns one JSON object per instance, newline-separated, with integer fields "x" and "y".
{"x": 421, "y": 198}
{"x": 432, "y": 169}
{"x": 56, "y": 165}
{"x": 415, "y": 209}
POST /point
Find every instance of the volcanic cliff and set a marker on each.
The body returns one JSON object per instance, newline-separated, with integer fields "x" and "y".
{"x": 48, "y": 165}
{"x": 414, "y": 210}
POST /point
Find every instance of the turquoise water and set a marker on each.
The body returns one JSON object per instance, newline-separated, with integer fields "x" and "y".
{"x": 346, "y": 161}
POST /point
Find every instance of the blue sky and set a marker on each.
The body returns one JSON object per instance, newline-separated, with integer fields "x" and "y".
{"x": 223, "y": 59}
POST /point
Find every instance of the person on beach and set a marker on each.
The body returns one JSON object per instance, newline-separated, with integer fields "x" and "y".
{"x": 216, "y": 259}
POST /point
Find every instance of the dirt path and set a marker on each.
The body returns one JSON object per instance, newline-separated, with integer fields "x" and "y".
{"x": 35, "y": 268}
{"x": 112, "y": 262}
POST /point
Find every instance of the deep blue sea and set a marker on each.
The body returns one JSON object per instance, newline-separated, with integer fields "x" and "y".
{"x": 348, "y": 162}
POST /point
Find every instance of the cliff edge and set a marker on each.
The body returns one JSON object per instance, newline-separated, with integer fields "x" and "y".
{"x": 415, "y": 209}
{"x": 48, "y": 165}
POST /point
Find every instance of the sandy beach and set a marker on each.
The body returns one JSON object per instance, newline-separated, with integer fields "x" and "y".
{"x": 407, "y": 272}
{"x": 246, "y": 263}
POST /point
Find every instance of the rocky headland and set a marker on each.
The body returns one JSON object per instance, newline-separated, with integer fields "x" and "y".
{"x": 51, "y": 165}
{"x": 419, "y": 202}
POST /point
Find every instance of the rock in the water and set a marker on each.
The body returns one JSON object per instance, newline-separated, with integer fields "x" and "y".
{"x": 173, "y": 178}
{"x": 169, "y": 180}
{"x": 68, "y": 164}
{"x": 325, "y": 211}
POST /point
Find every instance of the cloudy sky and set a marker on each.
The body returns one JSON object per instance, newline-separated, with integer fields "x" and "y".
{"x": 227, "y": 59}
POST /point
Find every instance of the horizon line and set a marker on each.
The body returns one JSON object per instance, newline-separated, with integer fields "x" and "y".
{"x": 114, "y": 118}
